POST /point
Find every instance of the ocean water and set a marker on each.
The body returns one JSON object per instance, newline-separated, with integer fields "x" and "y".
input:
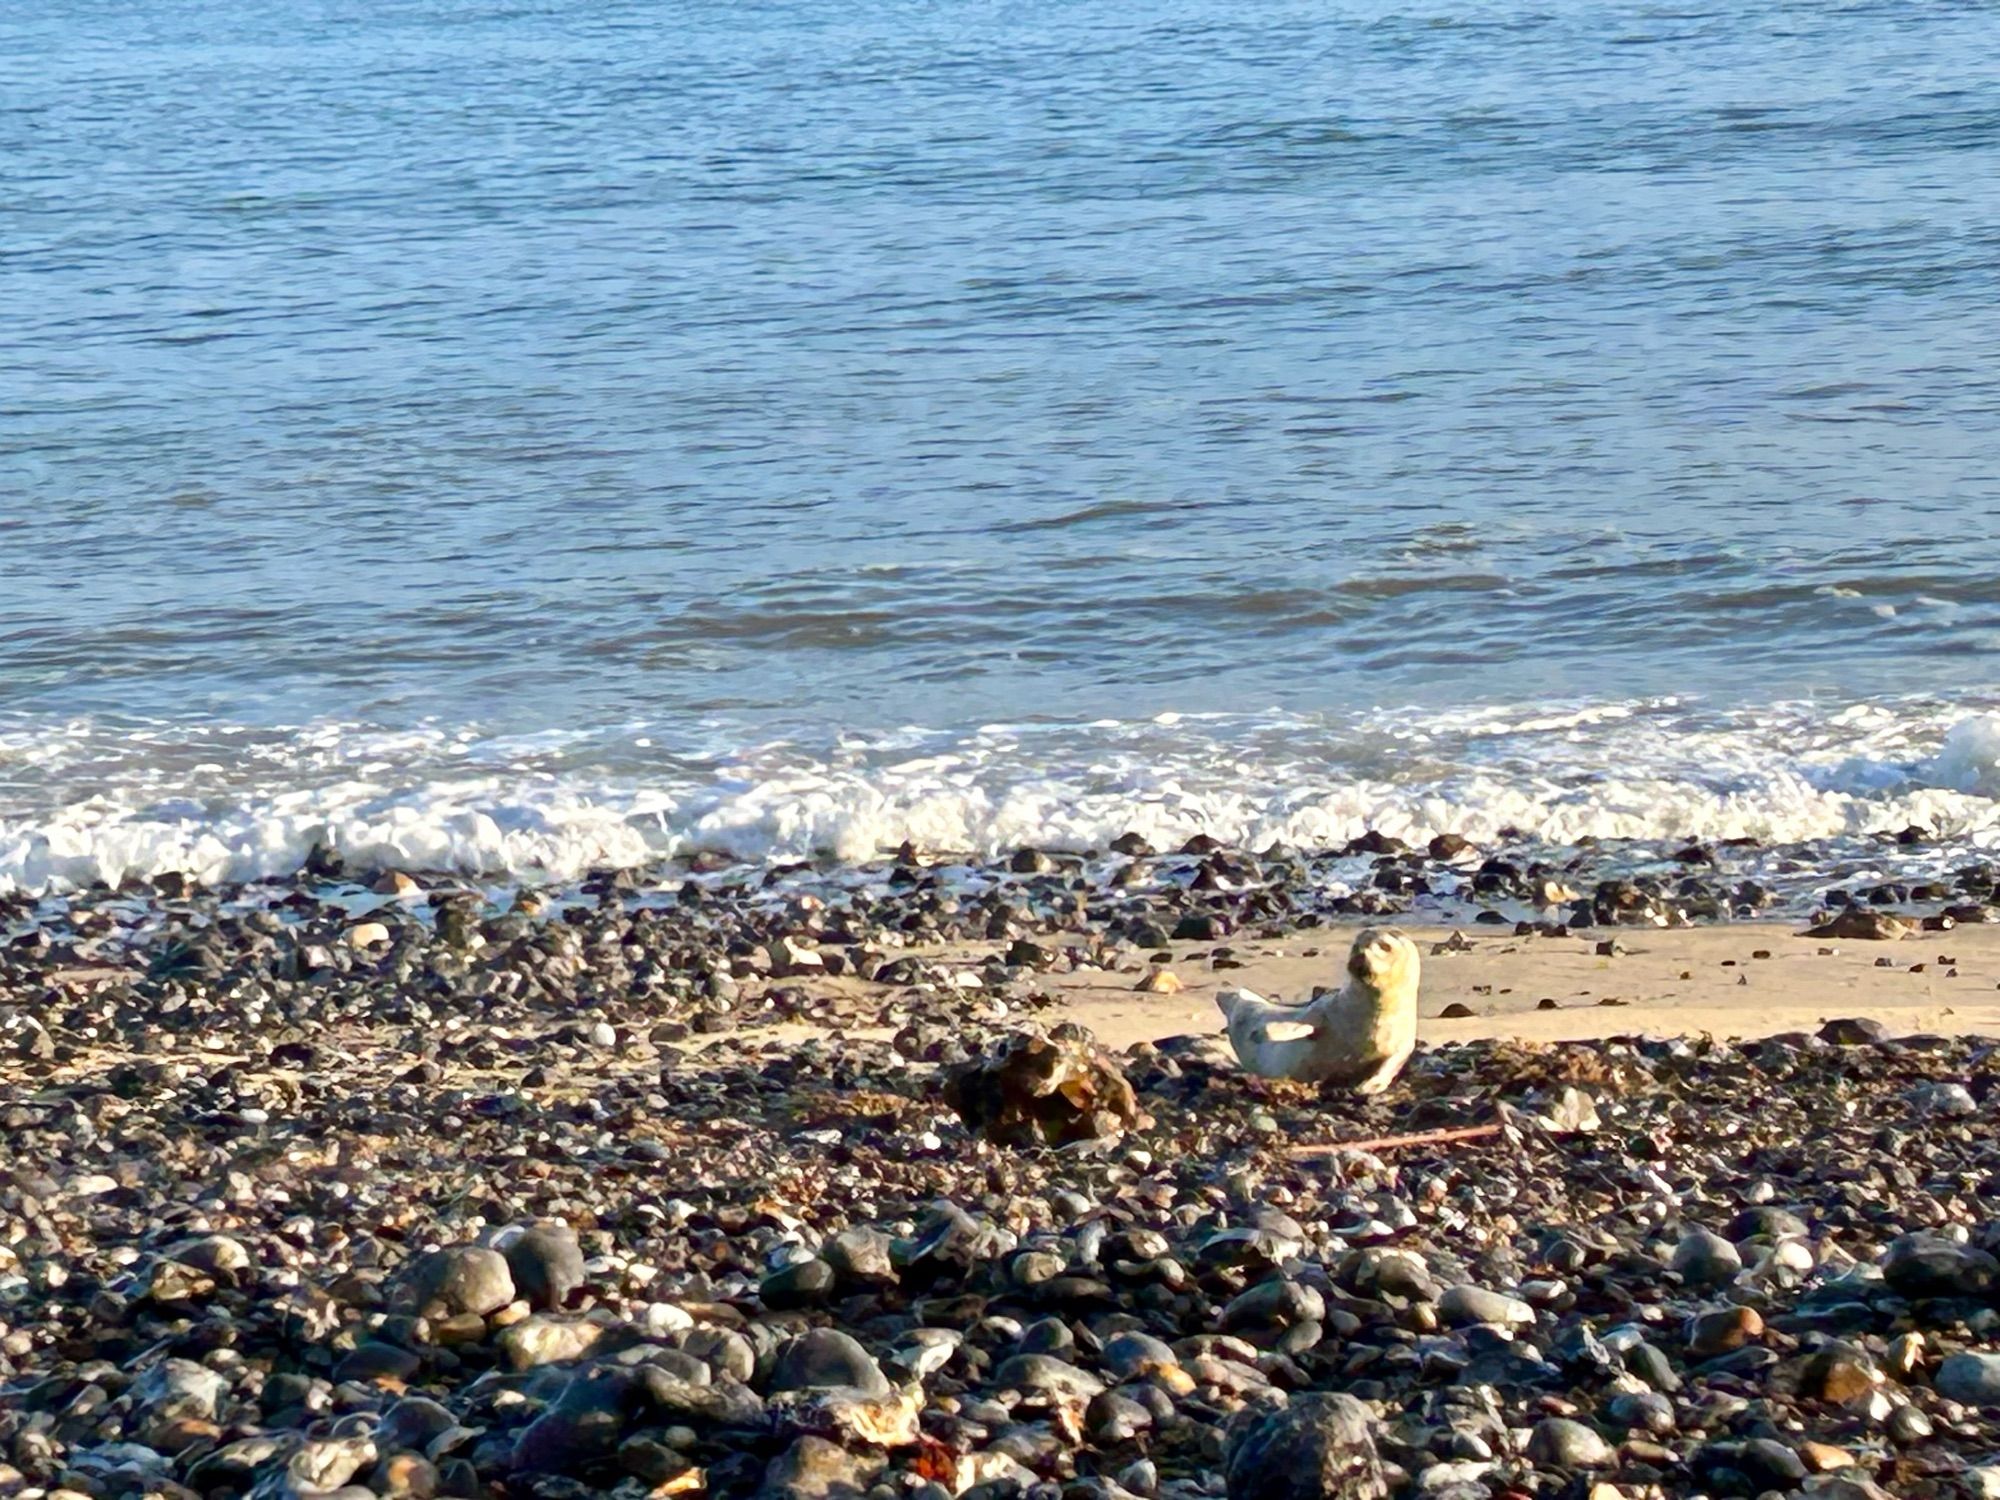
{"x": 526, "y": 435}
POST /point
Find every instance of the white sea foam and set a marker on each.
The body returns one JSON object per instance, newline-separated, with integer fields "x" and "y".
{"x": 1969, "y": 760}
{"x": 87, "y": 802}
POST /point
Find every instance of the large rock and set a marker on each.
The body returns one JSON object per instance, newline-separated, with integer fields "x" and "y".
{"x": 1859, "y": 924}
{"x": 1045, "y": 1090}
{"x": 1317, "y": 1447}
{"x": 1924, "y": 1265}
{"x": 1973, "y": 1379}
{"x": 546, "y": 1264}
{"x": 178, "y": 1401}
{"x": 824, "y": 1359}
{"x": 850, "y": 1417}
{"x": 816, "y": 1469}
{"x": 460, "y": 1279}
{"x": 540, "y": 1340}
{"x": 583, "y": 1425}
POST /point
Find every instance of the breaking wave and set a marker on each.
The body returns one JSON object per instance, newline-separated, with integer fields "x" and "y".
{"x": 88, "y": 800}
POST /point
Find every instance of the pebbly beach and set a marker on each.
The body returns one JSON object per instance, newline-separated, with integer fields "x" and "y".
{"x": 736, "y": 1181}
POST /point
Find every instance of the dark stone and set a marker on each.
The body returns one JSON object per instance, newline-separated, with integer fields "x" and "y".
{"x": 582, "y": 1426}
{"x": 1854, "y": 1031}
{"x": 827, "y": 1359}
{"x": 1039, "y": 1090}
{"x": 547, "y": 1266}
{"x": 1926, "y": 1265}
{"x": 463, "y": 1278}
{"x": 804, "y": 1283}
{"x": 1317, "y": 1447}
{"x": 377, "y": 1362}
{"x": 815, "y": 1469}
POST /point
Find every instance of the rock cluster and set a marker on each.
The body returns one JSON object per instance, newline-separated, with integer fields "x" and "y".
{"x": 1040, "y": 1089}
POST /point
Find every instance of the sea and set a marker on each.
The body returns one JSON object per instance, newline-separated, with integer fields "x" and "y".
{"x": 521, "y": 437}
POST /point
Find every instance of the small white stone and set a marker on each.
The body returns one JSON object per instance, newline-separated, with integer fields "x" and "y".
{"x": 665, "y": 1317}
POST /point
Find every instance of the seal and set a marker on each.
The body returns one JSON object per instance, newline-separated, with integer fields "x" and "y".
{"x": 1356, "y": 1037}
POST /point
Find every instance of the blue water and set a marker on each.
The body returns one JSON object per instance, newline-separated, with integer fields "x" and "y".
{"x": 794, "y": 367}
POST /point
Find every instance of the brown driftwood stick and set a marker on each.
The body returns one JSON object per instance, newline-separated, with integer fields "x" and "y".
{"x": 1390, "y": 1142}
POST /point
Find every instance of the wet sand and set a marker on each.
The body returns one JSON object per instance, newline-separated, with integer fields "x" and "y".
{"x": 1660, "y": 983}
{"x": 1741, "y": 980}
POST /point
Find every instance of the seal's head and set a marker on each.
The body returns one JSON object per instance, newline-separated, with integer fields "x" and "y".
{"x": 1383, "y": 959}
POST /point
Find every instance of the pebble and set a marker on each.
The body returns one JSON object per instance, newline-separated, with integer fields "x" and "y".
{"x": 546, "y": 1265}
{"x": 1970, "y": 1378}
{"x": 461, "y": 1279}
{"x": 1315, "y": 1447}
{"x": 1723, "y": 1330}
{"x": 1559, "y": 1443}
{"x": 825, "y": 1359}
{"x": 540, "y": 1340}
{"x": 1705, "y": 1259}
{"x": 1464, "y": 1304}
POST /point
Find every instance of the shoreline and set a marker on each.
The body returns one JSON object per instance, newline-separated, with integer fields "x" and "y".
{"x": 1895, "y": 790}
{"x": 1539, "y": 949}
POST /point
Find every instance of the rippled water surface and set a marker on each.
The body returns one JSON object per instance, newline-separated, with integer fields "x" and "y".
{"x": 796, "y": 368}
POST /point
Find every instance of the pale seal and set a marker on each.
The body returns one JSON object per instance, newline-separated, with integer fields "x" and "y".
{"x": 1357, "y": 1037}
